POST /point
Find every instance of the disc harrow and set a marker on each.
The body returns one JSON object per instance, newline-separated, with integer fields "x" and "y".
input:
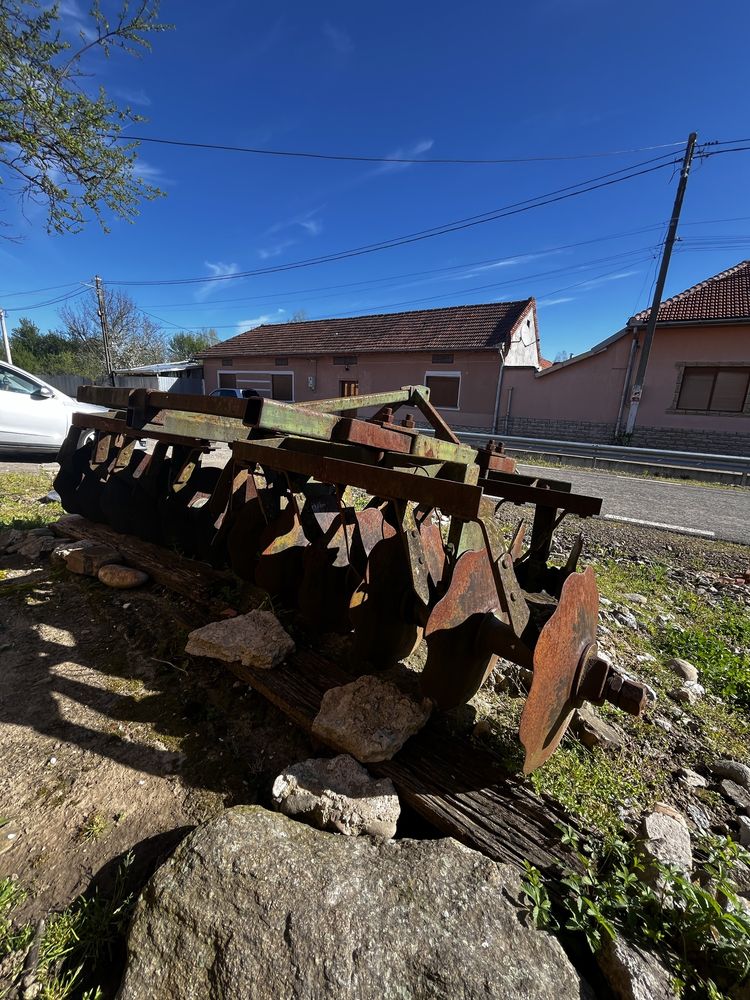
{"x": 369, "y": 526}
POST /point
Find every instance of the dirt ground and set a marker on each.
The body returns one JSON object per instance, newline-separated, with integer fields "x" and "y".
{"x": 113, "y": 740}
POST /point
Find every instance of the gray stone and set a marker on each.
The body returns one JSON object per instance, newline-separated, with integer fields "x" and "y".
{"x": 370, "y": 718}
{"x": 122, "y": 577}
{"x": 626, "y": 617}
{"x": 683, "y": 669}
{"x": 632, "y": 973}
{"x": 253, "y": 906}
{"x": 733, "y": 769}
{"x": 666, "y": 839}
{"x": 690, "y": 778}
{"x": 593, "y": 731}
{"x": 339, "y": 795}
{"x": 89, "y": 560}
{"x": 36, "y": 546}
{"x": 689, "y": 693}
{"x": 60, "y": 553}
{"x": 744, "y": 834}
{"x": 10, "y": 537}
{"x": 636, "y": 599}
{"x": 256, "y": 639}
{"x": 736, "y": 794}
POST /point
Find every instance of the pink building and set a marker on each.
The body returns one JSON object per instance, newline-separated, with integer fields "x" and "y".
{"x": 696, "y": 395}
{"x": 457, "y": 351}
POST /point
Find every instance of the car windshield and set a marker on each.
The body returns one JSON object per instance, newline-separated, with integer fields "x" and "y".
{"x": 11, "y": 381}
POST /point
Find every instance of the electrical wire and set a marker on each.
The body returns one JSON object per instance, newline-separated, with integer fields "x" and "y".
{"x": 50, "y": 302}
{"x": 355, "y": 158}
{"x": 561, "y": 194}
{"x": 35, "y": 291}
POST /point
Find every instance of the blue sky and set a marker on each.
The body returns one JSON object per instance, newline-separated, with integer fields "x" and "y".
{"x": 477, "y": 80}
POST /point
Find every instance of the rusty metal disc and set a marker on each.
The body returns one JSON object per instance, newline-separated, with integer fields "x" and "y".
{"x": 568, "y": 634}
{"x": 328, "y": 580}
{"x": 456, "y": 666}
{"x": 383, "y": 633}
{"x": 279, "y": 567}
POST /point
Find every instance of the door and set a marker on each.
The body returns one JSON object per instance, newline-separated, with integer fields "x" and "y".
{"x": 348, "y": 387}
{"x": 29, "y": 419}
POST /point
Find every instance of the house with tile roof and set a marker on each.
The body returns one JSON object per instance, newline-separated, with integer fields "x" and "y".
{"x": 459, "y": 352}
{"x": 696, "y": 395}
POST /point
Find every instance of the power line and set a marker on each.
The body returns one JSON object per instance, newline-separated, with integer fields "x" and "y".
{"x": 355, "y": 158}
{"x": 49, "y": 302}
{"x": 35, "y": 291}
{"x": 561, "y": 194}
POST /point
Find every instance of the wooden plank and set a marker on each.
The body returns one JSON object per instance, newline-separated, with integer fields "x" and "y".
{"x": 458, "y": 787}
{"x": 188, "y": 577}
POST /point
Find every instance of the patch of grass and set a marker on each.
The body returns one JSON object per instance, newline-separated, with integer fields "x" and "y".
{"x": 716, "y": 640}
{"x": 617, "y": 578}
{"x": 697, "y": 925}
{"x": 77, "y": 945}
{"x": 593, "y": 784}
{"x": 93, "y": 828}
{"x": 19, "y": 496}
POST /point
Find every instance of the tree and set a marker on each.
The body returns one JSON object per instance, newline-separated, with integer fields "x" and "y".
{"x": 42, "y": 353}
{"x": 184, "y": 346}
{"x": 134, "y": 338}
{"x": 57, "y": 140}
{"x": 563, "y": 356}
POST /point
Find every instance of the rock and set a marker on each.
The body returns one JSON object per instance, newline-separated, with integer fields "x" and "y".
{"x": 632, "y": 973}
{"x": 256, "y": 639}
{"x": 636, "y": 598}
{"x": 740, "y": 773}
{"x": 62, "y": 550}
{"x": 744, "y": 835}
{"x": 370, "y": 718}
{"x": 253, "y": 906}
{"x": 122, "y": 577}
{"x": 593, "y": 731}
{"x": 736, "y": 794}
{"x": 698, "y": 815}
{"x": 35, "y": 546}
{"x": 683, "y": 669}
{"x": 626, "y": 617}
{"x": 338, "y": 795}
{"x": 690, "y": 693}
{"x": 690, "y": 778}
{"x": 666, "y": 810}
{"x": 89, "y": 560}
{"x": 9, "y": 537}
{"x": 667, "y": 840}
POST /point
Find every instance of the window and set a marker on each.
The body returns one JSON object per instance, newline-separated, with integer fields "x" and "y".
{"x": 442, "y": 359}
{"x": 11, "y": 381}
{"x": 717, "y": 390}
{"x": 282, "y": 388}
{"x": 227, "y": 381}
{"x": 444, "y": 389}
{"x": 227, "y": 362}
{"x": 345, "y": 359}
{"x": 348, "y": 387}
{"x": 281, "y": 362}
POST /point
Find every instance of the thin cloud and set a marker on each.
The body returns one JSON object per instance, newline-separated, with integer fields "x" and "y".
{"x": 137, "y": 97}
{"x": 406, "y": 153}
{"x": 339, "y": 39}
{"x": 606, "y": 278}
{"x": 275, "y": 249}
{"x": 217, "y": 270}
{"x": 307, "y": 221}
{"x": 556, "y": 302}
{"x": 506, "y": 262}
{"x": 255, "y": 321}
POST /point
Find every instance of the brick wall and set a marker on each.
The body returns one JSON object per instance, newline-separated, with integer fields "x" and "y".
{"x": 561, "y": 430}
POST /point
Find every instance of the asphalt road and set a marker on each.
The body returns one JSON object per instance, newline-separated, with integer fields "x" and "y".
{"x": 711, "y": 511}
{"x": 708, "y": 511}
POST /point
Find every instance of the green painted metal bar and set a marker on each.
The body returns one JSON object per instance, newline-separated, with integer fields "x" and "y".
{"x": 398, "y": 397}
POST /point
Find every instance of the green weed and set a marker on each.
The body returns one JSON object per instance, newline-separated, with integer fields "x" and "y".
{"x": 19, "y": 495}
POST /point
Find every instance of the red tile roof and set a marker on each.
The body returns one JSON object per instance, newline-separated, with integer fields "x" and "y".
{"x": 454, "y": 328}
{"x": 726, "y": 296}
{"x": 544, "y": 363}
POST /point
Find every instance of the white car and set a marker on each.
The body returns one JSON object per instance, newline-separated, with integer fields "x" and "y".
{"x": 34, "y": 416}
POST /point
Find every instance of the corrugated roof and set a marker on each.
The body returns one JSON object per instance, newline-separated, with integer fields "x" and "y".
{"x": 726, "y": 296}
{"x": 454, "y": 328}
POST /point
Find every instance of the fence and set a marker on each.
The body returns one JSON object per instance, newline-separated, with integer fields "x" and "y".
{"x": 184, "y": 385}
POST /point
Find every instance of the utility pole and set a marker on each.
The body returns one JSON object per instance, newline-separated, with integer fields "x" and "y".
{"x": 6, "y": 342}
{"x": 105, "y": 327}
{"x": 640, "y": 375}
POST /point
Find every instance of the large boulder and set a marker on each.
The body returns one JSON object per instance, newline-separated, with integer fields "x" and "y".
{"x": 254, "y": 906}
